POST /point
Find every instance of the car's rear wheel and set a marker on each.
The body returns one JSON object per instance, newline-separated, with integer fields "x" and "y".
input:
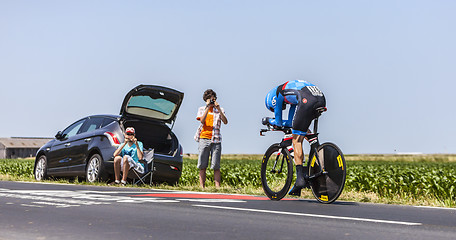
{"x": 41, "y": 168}
{"x": 95, "y": 169}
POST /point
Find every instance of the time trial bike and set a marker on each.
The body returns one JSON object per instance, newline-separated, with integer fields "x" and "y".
{"x": 326, "y": 165}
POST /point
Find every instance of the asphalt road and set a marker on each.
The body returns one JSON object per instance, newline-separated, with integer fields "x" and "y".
{"x": 55, "y": 211}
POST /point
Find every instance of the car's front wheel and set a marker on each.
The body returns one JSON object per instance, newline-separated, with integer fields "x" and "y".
{"x": 41, "y": 168}
{"x": 95, "y": 169}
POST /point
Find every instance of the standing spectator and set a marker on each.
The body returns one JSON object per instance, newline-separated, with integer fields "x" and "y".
{"x": 208, "y": 135}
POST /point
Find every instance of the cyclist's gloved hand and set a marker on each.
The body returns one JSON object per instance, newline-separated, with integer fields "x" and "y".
{"x": 287, "y": 123}
{"x": 273, "y": 122}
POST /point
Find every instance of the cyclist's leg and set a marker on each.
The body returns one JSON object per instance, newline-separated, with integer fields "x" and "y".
{"x": 304, "y": 115}
{"x": 301, "y": 122}
{"x": 300, "y": 170}
{"x": 299, "y": 158}
{"x": 298, "y": 150}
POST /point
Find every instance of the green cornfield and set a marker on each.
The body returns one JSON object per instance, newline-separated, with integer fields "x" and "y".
{"x": 235, "y": 173}
{"x": 388, "y": 179}
{"x": 19, "y": 168}
{"x": 406, "y": 179}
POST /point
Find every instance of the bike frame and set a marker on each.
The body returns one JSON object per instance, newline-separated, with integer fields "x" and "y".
{"x": 314, "y": 144}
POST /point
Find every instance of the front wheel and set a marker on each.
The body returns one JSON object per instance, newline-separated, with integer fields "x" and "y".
{"x": 276, "y": 172}
{"x": 95, "y": 169}
{"x": 330, "y": 163}
{"x": 41, "y": 168}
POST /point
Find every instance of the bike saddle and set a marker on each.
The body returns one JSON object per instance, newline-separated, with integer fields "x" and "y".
{"x": 319, "y": 111}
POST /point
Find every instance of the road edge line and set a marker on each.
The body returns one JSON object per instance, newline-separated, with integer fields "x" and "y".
{"x": 311, "y": 215}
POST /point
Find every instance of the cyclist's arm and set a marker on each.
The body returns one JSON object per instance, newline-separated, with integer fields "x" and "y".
{"x": 278, "y": 112}
{"x": 291, "y": 112}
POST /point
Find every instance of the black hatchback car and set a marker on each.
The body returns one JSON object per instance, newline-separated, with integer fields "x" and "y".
{"x": 86, "y": 147}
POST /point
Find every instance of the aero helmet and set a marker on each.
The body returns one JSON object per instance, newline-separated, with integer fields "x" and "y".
{"x": 271, "y": 99}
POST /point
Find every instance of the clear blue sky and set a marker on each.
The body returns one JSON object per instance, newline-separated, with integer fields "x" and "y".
{"x": 387, "y": 68}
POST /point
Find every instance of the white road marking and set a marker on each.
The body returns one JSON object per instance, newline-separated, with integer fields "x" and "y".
{"x": 312, "y": 215}
{"x": 29, "y": 205}
{"x": 144, "y": 200}
{"x": 64, "y": 198}
{"x": 441, "y": 208}
{"x": 50, "y": 199}
{"x": 61, "y": 205}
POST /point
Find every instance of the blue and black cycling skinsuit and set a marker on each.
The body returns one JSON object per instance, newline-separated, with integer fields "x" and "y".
{"x": 304, "y": 98}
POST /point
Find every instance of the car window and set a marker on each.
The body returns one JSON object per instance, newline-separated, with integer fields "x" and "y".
{"x": 92, "y": 124}
{"x": 107, "y": 121}
{"x": 159, "y": 108}
{"x": 73, "y": 129}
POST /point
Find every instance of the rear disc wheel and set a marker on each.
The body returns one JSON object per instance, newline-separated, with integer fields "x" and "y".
{"x": 328, "y": 187}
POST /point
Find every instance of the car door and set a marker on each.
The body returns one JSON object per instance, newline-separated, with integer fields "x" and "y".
{"x": 60, "y": 153}
{"x": 80, "y": 146}
{"x": 152, "y": 103}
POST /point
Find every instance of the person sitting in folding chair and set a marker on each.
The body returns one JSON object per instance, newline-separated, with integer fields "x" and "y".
{"x": 127, "y": 156}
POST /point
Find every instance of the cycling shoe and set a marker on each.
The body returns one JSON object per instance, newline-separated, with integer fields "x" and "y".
{"x": 300, "y": 181}
{"x": 295, "y": 191}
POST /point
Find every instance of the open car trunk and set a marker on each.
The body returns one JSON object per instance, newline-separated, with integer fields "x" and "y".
{"x": 154, "y": 136}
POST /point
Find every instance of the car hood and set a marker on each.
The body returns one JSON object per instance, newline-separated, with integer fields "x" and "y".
{"x": 152, "y": 102}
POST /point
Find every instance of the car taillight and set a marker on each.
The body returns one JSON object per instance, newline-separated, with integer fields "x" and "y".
{"x": 112, "y": 138}
{"x": 173, "y": 167}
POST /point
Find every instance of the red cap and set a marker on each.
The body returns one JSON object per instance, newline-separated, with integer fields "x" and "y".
{"x": 130, "y": 130}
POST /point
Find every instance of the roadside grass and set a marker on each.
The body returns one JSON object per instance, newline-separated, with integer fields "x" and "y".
{"x": 424, "y": 180}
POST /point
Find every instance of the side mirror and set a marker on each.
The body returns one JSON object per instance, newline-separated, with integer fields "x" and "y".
{"x": 58, "y": 135}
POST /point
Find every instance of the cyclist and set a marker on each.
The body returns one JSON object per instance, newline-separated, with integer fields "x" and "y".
{"x": 304, "y": 98}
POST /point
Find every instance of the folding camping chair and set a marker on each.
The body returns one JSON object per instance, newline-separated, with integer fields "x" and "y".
{"x": 148, "y": 161}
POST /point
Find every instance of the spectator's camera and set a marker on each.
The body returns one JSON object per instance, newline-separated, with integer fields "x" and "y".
{"x": 212, "y": 102}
